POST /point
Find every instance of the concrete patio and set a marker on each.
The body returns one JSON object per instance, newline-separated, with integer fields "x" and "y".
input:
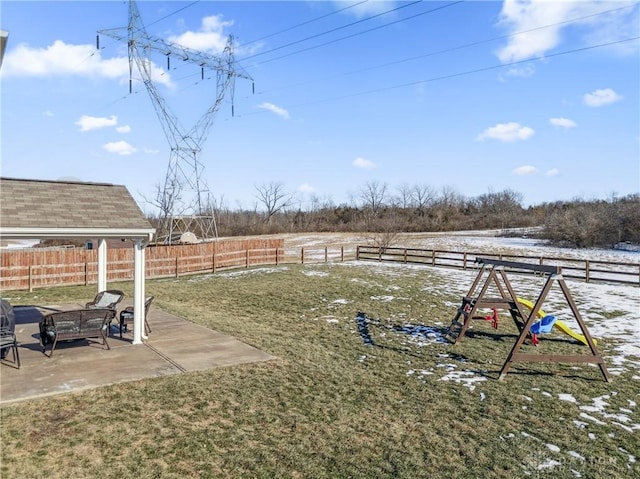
{"x": 174, "y": 346}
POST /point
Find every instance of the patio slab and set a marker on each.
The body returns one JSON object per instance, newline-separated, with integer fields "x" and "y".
{"x": 175, "y": 345}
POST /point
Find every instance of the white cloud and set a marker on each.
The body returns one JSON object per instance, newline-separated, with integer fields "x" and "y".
{"x": 119, "y": 148}
{"x": 88, "y": 123}
{"x": 48, "y": 113}
{"x": 507, "y": 132}
{"x": 363, "y": 163}
{"x": 123, "y": 129}
{"x": 150, "y": 151}
{"x": 526, "y": 170}
{"x": 306, "y": 188}
{"x": 530, "y": 15}
{"x": 601, "y": 97}
{"x": 553, "y": 172}
{"x": 275, "y": 109}
{"x": 62, "y": 59}
{"x": 210, "y": 37}
{"x": 563, "y": 122}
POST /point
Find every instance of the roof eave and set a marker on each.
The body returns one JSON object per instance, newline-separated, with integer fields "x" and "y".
{"x": 79, "y": 233}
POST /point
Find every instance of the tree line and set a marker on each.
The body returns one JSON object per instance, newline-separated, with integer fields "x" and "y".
{"x": 378, "y": 208}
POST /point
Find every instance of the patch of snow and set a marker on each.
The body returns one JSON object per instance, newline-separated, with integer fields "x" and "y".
{"x": 315, "y": 273}
{"x": 584, "y": 415}
{"x": 632, "y": 458}
{"x": 549, "y": 464}
{"x": 567, "y": 397}
{"x": 341, "y": 301}
{"x": 466, "y": 378}
{"x": 384, "y": 298}
{"x": 580, "y": 424}
{"x": 576, "y": 455}
{"x": 553, "y": 447}
{"x": 592, "y": 436}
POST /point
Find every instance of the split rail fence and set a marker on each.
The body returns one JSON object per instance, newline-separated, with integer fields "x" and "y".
{"x": 32, "y": 268}
{"x": 587, "y": 270}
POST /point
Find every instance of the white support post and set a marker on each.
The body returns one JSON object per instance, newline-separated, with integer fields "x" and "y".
{"x": 102, "y": 265}
{"x": 143, "y": 286}
{"x": 138, "y": 292}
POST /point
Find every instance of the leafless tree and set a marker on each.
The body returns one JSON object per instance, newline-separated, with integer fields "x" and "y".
{"x": 422, "y": 197}
{"x": 374, "y": 196}
{"x": 274, "y": 198}
{"x": 403, "y": 200}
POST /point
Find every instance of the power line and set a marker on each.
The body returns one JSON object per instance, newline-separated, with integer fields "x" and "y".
{"x": 447, "y": 50}
{"x": 464, "y": 73}
{"x": 173, "y": 13}
{"x": 306, "y": 22}
{"x": 333, "y": 30}
{"x": 362, "y": 32}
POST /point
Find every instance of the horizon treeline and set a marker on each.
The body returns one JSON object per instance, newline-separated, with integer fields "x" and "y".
{"x": 375, "y": 208}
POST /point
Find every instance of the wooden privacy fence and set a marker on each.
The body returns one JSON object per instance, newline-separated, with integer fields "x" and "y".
{"x": 20, "y": 270}
{"x": 29, "y": 269}
{"x": 581, "y": 269}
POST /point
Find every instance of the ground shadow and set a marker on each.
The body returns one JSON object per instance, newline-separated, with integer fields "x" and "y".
{"x": 367, "y": 324}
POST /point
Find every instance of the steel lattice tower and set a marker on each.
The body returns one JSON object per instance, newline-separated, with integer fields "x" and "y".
{"x": 181, "y": 200}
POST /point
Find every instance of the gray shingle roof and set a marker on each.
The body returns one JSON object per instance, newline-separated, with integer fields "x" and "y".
{"x": 66, "y": 204}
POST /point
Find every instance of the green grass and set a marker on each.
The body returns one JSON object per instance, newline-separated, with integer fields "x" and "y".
{"x": 328, "y": 405}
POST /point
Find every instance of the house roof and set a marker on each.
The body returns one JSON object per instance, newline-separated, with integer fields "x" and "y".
{"x": 69, "y": 209}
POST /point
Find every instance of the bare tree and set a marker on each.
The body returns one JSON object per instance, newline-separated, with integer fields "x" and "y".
{"x": 274, "y": 198}
{"x": 403, "y": 200}
{"x": 374, "y": 196}
{"x": 422, "y": 197}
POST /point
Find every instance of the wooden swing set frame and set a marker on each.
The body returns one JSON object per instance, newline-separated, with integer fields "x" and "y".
{"x": 495, "y": 272}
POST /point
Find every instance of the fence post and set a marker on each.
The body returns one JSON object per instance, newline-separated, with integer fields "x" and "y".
{"x": 380, "y": 253}
{"x": 176, "y": 266}
{"x": 86, "y": 273}
{"x": 342, "y": 253}
{"x": 357, "y": 252}
{"x": 246, "y": 259}
{"x": 464, "y": 261}
{"x": 586, "y": 271}
{"x": 276, "y": 256}
{"x": 30, "y": 278}
{"x": 213, "y": 263}
{"x": 433, "y": 257}
{"x": 326, "y": 256}
{"x": 301, "y": 255}
{"x": 405, "y": 255}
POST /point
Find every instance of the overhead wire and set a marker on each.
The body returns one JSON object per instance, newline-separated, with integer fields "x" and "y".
{"x": 326, "y": 32}
{"x": 361, "y": 32}
{"x": 446, "y": 50}
{"x": 321, "y": 17}
{"x": 454, "y": 75}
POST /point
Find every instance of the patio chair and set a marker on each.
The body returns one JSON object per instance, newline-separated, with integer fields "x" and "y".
{"x": 108, "y": 299}
{"x": 7, "y": 332}
{"x": 126, "y": 316}
{"x": 8, "y": 341}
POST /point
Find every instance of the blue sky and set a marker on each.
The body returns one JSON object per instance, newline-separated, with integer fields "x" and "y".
{"x": 540, "y": 97}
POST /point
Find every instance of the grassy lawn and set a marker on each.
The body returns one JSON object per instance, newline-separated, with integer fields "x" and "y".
{"x": 331, "y": 406}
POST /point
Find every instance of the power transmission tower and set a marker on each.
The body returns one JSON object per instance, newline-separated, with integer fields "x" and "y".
{"x": 181, "y": 200}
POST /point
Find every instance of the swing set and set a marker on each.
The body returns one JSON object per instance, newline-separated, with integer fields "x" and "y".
{"x": 528, "y": 317}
